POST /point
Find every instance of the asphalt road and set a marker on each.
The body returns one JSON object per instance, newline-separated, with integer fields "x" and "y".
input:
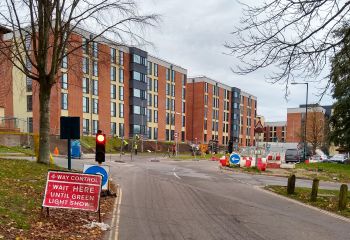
{"x": 196, "y": 200}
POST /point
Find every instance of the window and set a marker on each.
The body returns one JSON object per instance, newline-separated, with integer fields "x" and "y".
{"x": 235, "y": 94}
{"x": 95, "y": 106}
{"x": 149, "y": 68}
{"x": 155, "y": 133}
{"x": 94, "y": 126}
{"x": 206, "y": 87}
{"x": 138, "y": 76}
{"x": 137, "y": 110}
{"x": 149, "y": 133}
{"x": 235, "y": 105}
{"x": 167, "y": 89}
{"x": 155, "y": 85}
{"x": 85, "y": 46}
{"x": 95, "y": 87}
{"x": 30, "y": 124}
{"x": 113, "y": 91}
{"x": 85, "y": 85}
{"x": 155, "y": 116}
{"x": 155, "y": 101}
{"x": 167, "y": 134}
{"x": 94, "y": 68}
{"x": 173, "y": 105}
{"x": 121, "y": 58}
{"x": 121, "y": 129}
{"x": 113, "y": 55}
{"x": 205, "y": 137}
{"x": 183, "y": 121}
{"x": 113, "y": 128}
{"x": 113, "y": 109}
{"x": 136, "y": 129}
{"x": 65, "y": 62}
{"x": 29, "y": 83}
{"x": 173, "y": 75}
{"x": 167, "y": 118}
{"x": 85, "y": 104}
{"x": 138, "y": 93}
{"x": 167, "y": 104}
{"x": 29, "y": 103}
{"x": 95, "y": 49}
{"x": 149, "y": 115}
{"x": 184, "y": 93}
{"x": 121, "y": 75}
{"x": 205, "y": 124}
{"x": 121, "y": 110}
{"x": 113, "y": 73}
{"x": 173, "y": 119}
{"x": 182, "y": 136}
{"x": 167, "y": 73}
{"x": 149, "y": 84}
{"x": 140, "y": 60}
{"x": 64, "y": 81}
{"x": 205, "y": 99}
{"x": 85, "y": 65}
{"x": 156, "y": 70}
{"x": 64, "y": 101}
{"x": 149, "y": 100}
{"x": 86, "y": 126}
{"x": 183, "y": 107}
{"x": 121, "y": 93}
{"x": 173, "y": 90}
{"x": 184, "y": 80}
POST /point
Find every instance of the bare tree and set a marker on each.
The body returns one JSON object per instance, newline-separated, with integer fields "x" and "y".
{"x": 41, "y": 36}
{"x": 294, "y": 38}
{"x": 316, "y": 129}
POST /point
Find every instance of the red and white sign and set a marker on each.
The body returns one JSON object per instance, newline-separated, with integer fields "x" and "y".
{"x": 72, "y": 190}
{"x": 175, "y": 134}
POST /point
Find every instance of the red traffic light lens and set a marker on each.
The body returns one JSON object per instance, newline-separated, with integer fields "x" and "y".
{"x": 100, "y": 138}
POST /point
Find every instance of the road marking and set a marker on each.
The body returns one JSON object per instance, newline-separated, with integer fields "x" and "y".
{"x": 116, "y": 215}
{"x": 303, "y": 204}
{"x": 176, "y": 174}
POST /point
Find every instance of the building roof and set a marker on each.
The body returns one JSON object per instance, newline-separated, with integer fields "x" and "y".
{"x": 276, "y": 124}
{"x": 4, "y": 30}
{"x": 302, "y": 110}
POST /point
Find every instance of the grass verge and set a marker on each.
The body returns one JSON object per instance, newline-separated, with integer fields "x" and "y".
{"x": 326, "y": 200}
{"x": 22, "y": 184}
{"x": 326, "y": 171}
{"x": 17, "y": 149}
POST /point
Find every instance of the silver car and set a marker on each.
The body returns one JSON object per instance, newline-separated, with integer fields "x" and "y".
{"x": 339, "y": 158}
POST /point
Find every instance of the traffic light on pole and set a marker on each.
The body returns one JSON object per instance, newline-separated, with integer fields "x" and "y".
{"x": 100, "y": 147}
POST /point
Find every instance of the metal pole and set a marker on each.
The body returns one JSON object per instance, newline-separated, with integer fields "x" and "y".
{"x": 305, "y": 146}
{"x": 69, "y": 155}
{"x": 121, "y": 148}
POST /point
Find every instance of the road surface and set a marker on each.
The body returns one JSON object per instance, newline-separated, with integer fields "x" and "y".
{"x": 195, "y": 200}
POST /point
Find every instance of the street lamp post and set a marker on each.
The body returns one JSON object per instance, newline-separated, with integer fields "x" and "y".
{"x": 307, "y": 93}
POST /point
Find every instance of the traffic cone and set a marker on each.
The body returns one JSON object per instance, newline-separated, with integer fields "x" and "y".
{"x": 55, "y": 152}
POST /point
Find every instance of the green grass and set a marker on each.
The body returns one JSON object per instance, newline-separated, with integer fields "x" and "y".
{"x": 326, "y": 200}
{"x": 21, "y": 186}
{"x": 112, "y": 146}
{"x": 17, "y": 149}
{"x": 327, "y": 171}
{"x": 190, "y": 157}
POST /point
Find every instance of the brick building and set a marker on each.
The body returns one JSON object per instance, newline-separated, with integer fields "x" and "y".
{"x": 119, "y": 89}
{"x": 296, "y": 120}
{"x": 275, "y": 131}
{"x": 217, "y": 111}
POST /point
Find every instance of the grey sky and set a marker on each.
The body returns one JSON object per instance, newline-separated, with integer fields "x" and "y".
{"x": 192, "y": 33}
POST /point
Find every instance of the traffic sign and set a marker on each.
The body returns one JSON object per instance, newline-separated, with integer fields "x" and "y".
{"x": 175, "y": 134}
{"x": 72, "y": 190}
{"x": 235, "y": 158}
{"x": 258, "y": 127}
{"x": 99, "y": 170}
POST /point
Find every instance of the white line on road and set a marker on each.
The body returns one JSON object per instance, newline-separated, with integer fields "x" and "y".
{"x": 116, "y": 216}
{"x": 176, "y": 174}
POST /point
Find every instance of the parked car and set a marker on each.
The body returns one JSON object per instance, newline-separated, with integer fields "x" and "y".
{"x": 339, "y": 158}
{"x": 292, "y": 155}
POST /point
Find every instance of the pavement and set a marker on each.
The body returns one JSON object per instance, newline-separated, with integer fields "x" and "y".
{"x": 164, "y": 199}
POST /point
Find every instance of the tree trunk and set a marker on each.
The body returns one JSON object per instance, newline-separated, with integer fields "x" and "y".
{"x": 44, "y": 132}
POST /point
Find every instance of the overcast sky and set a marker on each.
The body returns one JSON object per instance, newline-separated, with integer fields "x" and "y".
{"x": 192, "y": 33}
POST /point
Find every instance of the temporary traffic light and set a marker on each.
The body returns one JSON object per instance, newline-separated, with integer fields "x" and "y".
{"x": 100, "y": 147}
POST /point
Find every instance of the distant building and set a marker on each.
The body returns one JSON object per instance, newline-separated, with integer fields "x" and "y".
{"x": 218, "y": 111}
{"x": 275, "y": 131}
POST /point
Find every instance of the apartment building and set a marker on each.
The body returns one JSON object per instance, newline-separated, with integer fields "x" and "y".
{"x": 119, "y": 89}
{"x": 218, "y": 111}
{"x": 248, "y": 112}
{"x": 275, "y": 131}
